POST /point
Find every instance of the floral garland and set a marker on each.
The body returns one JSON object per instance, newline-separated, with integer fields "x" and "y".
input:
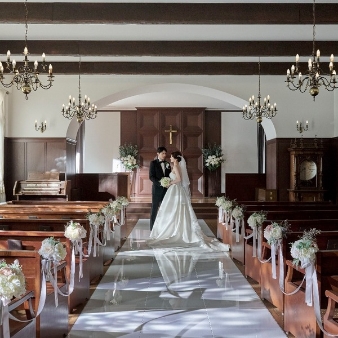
{"x": 304, "y": 250}
{"x": 128, "y": 156}
{"x": 52, "y": 249}
{"x": 274, "y": 232}
{"x": 213, "y": 156}
{"x": 12, "y": 281}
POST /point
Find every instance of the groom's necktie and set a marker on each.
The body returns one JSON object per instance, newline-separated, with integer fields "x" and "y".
{"x": 162, "y": 165}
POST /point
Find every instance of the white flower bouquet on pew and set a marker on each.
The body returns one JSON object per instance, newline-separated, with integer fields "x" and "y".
{"x": 304, "y": 250}
{"x": 256, "y": 219}
{"x": 75, "y": 231}
{"x": 52, "y": 249}
{"x": 95, "y": 220}
{"x": 12, "y": 281}
{"x": 122, "y": 200}
{"x": 274, "y": 232}
{"x": 225, "y": 203}
{"x": 238, "y": 212}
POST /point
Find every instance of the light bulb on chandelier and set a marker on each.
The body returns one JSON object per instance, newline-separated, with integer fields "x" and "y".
{"x": 83, "y": 110}
{"x": 314, "y": 77}
{"x": 25, "y": 77}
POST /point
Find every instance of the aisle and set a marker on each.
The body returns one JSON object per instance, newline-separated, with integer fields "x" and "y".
{"x": 173, "y": 293}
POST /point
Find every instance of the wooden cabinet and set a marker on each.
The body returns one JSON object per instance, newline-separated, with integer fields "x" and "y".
{"x": 306, "y": 176}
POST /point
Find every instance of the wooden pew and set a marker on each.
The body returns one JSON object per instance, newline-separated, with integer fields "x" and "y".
{"x": 299, "y": 319}
{"x": 22, "y": 329}
{"x": 329, "y": 321}
{"x": 40, "y": 224}
{"x": 31, "y": 240}
{"x": 238, "y": 249}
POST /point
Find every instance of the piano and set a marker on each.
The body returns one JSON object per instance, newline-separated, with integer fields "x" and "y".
{"x": 42, "y": 186}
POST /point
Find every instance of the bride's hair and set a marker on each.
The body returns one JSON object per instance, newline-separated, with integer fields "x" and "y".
{"x": 177, "y": 155}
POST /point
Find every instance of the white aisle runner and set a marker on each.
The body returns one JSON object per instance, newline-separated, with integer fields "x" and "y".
{"x": 173, "y": 293}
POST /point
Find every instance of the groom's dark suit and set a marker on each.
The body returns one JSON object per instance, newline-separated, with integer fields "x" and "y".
{"x": 158, "y": 192}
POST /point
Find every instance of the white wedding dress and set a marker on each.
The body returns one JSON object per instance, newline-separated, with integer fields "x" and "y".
{"x": 176, "y": 224}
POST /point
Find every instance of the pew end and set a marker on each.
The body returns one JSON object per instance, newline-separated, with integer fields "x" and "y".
{"x": 330, "y": 319}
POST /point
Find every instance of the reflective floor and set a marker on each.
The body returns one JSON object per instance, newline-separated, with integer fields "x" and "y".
{"x": 173, "y": 293}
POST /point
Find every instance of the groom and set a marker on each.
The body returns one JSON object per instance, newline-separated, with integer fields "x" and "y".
{"x": 158, "y": 168}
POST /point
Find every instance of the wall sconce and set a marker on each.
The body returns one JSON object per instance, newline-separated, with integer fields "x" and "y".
{"x": 42, "y": 127}
{"x": 302, "y": 128}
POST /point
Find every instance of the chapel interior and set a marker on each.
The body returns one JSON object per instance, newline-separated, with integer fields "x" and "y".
{"x": 256, "y": 78}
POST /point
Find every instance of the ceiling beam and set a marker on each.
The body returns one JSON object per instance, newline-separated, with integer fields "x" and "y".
{"x": 172, "y": 68}
{"x": 168, "y": 13}
{"x": 170, "y": 48}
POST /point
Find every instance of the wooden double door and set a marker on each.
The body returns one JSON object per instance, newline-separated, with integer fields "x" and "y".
{"x": 187, "y": 136}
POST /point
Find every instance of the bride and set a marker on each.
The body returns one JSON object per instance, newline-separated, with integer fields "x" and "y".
{"x": 176, "y": 224}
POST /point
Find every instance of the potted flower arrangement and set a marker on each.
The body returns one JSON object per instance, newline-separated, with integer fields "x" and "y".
{"x": 213, "y": 156}
{"x": 128, "y": 156}
{"x": 212, "y": 160}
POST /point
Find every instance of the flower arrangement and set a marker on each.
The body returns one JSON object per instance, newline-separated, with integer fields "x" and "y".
{"x": 96, "y": 218}
{"x": 52, "y": 249}
{"x": 165, "y": 182}
{"x": 75, "y": 231}
{"x": 128, "y": 156}
{"x": 12, "y": 281}
{"x": 304, "y": 250}
{"x": 213, "y": 156}
{"x": 276, "y": 231}
{"x": 238, "y": 212}
{"x": 257, "y": 219}
{"x": 225, "y": 203}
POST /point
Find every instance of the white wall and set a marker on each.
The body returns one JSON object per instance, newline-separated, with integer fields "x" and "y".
{"x": 102, "y": 140}
{"x": 238, "y": 136}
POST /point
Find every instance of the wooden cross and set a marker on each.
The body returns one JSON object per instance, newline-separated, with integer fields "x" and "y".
{"x": 171, "y": 131}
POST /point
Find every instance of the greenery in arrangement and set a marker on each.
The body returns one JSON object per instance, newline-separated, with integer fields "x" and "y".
{"x": 128, "y": 156}
{"x": 213, "y": 156}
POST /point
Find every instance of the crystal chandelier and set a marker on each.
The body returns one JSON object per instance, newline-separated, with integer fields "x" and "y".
{"x": 25, "y": 78}
{"x": 255, "y": 109}
{"x": 83, "y": 110}
{"x": 314, "y": 77}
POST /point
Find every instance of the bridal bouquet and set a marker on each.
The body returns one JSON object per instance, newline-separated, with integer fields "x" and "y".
{"x": 165, "y": 182}
{"x": 257, "y": 219}
{"x": 276, "y": 231}
{"x": 52, "y": 249}
{"x": 75, "y": 231}
{"x": 213, "y": 157}
{"x": 128, "y": 156}
{"x": 12, "y": 281}
{"x": 304, "y": 250}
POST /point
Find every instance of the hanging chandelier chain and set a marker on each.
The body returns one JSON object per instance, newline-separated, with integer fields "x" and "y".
{"x": 26, "y": 22}
{"x": 314, "y": 29}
